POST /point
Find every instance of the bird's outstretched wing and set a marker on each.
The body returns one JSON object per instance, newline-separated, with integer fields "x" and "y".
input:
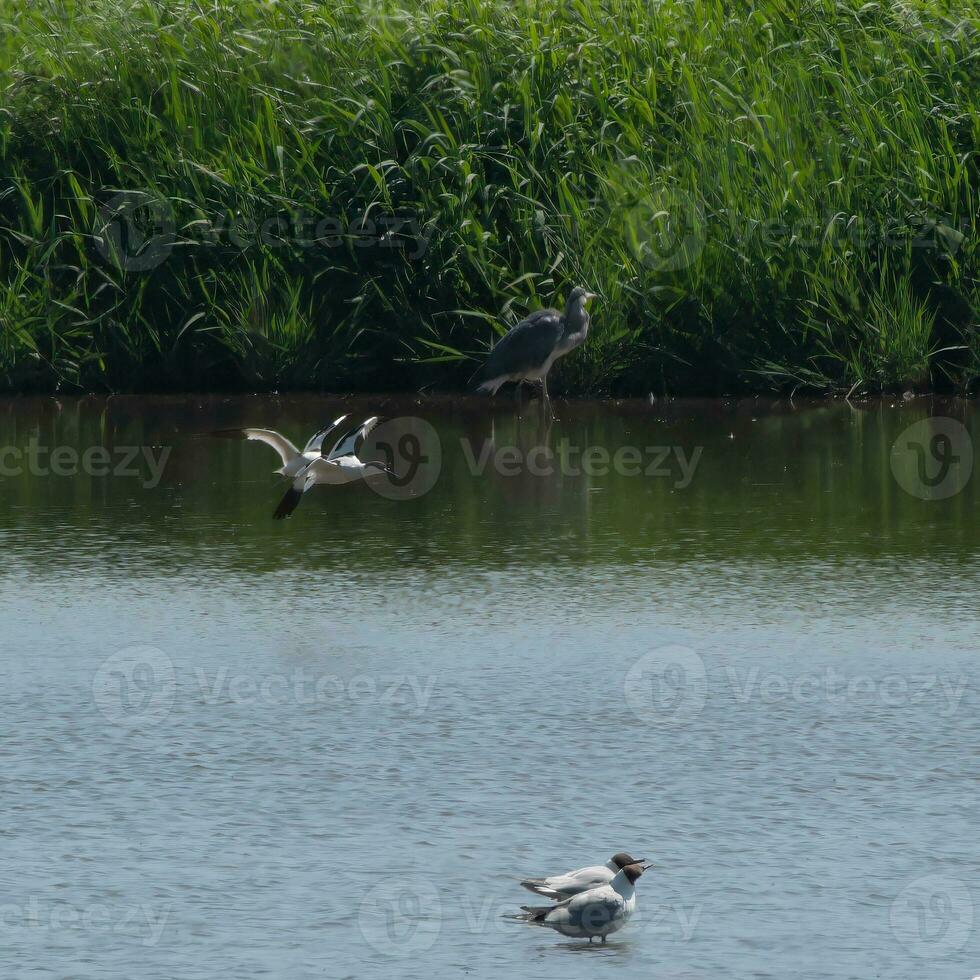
{"x": 315, "y": 444}
{"x": 279, "y": 443}
{"x": 349, "y": 444}
{"x": 526, "y": 346}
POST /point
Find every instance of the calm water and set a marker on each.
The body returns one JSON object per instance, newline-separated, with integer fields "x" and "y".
{"x": 237, "y": 748}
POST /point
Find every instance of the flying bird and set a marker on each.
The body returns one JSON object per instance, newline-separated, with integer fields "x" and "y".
{"x": 292, "y": 459}
{"x": 595, "y": 913}
{"x": 560, "y": 887}
{"x": 527, "y": 352}
{"x": 337, "y": 466}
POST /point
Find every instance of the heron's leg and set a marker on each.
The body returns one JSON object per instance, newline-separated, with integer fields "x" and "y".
{"x": 603, "y": 940}
{"x": 545, "y": 399}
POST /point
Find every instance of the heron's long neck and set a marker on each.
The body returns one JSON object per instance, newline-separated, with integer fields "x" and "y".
{"x": 576, "y": 323}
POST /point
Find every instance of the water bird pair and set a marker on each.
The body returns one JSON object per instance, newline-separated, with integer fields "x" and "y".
{"x": 591, "y": 902}
{"x": 316, "y": 464}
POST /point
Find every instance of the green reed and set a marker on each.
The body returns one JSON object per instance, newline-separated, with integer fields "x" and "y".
{"x": 769, "y": 195}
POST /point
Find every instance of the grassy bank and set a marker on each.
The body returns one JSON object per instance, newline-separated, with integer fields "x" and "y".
{"x": 234, "y": 193}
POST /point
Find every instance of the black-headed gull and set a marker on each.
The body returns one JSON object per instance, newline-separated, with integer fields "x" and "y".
{"x": 338, "y": 466}
{"x": 560, "y": 887}
{"x": 595, "y": 913}
{"x": 292, "y": 459}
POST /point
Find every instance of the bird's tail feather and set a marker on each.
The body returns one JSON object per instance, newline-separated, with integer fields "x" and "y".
{"x": 483, "y": 381}
{"x": 288, "y": 504}
{"x": 538, "y": 886}
{"x": 536, "y": 913}
{"x": 491, "y": 386}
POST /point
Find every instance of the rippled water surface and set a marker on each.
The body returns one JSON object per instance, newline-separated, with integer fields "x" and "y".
{"x": 328, "y": 747}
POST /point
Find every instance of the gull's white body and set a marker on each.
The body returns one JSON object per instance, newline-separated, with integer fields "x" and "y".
{"x": 595, "y": 913}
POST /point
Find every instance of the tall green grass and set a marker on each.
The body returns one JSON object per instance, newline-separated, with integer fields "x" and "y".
{"x": 773, "y": 194}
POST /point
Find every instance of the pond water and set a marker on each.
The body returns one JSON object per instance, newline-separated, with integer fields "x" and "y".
{"x": 745, "y": 648}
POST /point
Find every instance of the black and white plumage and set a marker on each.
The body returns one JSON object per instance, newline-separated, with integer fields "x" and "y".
{"x": 292, "y": 459}
{"x": 592, "y": 914}
{"x": 334, "y": 467}
{"x": 560, "y": 887}
{"x": 527, "y": 352}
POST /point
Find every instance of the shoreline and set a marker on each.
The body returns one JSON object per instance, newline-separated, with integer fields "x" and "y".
{"x": 469, "y": 403}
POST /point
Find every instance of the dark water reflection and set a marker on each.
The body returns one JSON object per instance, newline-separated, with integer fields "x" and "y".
{"x": 775, "y": 481}
{"x": 359, "y": 725}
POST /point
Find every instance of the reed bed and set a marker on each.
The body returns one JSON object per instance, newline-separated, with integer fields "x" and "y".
{"x": 267, "y": 195}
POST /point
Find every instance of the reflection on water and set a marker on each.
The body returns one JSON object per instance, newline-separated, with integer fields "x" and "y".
{"x": 235, "y": 747}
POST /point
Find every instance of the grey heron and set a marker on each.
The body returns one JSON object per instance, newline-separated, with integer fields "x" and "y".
{"x": 594, "y": 913}
{"x": 527, "y": 352}
{"x": 560, "y": 887}
{"x": 335, "y": 467}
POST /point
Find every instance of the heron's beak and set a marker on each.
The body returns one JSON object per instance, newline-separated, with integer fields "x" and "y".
{"x": 591, "y": 296}
{"x": 647, "y": 865}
